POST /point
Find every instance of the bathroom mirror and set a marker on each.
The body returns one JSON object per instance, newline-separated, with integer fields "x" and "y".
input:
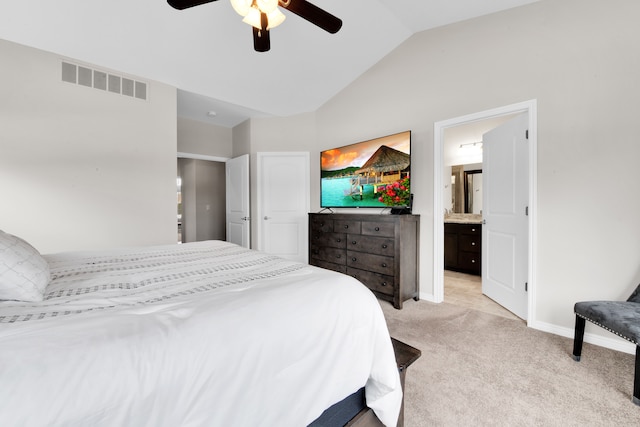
{"x": 473, "y": 191}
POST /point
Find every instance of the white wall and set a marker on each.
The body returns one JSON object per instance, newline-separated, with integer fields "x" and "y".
{"x": 580, "y": 60}
{"x": 82, "y": 168}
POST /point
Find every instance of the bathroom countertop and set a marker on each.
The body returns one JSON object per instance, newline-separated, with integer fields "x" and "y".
{"x": 460, "y": 218}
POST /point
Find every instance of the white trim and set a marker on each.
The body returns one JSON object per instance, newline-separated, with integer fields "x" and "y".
{"x": 613, "y": 342}
{"x": 202, "y": 157}
{"x": 530, "y": 107}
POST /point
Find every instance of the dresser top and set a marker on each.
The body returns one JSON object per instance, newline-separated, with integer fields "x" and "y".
{"x": 366, "y": 217}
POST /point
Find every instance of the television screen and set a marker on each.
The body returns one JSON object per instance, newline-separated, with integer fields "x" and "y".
{"x": 368, "y": 174}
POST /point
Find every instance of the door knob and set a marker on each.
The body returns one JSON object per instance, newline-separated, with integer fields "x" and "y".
{"x": 267, "y": 217}
{"x": 245, "y": 218}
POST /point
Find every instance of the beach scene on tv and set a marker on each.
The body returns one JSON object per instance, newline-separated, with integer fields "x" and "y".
{"x": 373, "y": 173}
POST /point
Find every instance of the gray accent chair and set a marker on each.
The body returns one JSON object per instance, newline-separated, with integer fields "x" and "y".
{"x": 620, "y": 317}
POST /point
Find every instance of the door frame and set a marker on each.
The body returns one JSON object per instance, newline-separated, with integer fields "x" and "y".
{"x": 528, "y": 107}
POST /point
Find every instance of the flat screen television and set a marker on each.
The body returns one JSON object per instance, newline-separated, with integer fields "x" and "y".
{"x": 367, "y": 174}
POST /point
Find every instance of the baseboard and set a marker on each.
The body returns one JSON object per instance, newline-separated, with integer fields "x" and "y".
{"x": 614, "y": 342}
{"x": 427, "y": 297}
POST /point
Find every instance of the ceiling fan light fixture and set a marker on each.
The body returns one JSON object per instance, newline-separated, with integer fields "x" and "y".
{"x": 267, "y": 6}
{"x": 253, "y": 18}
{"x": 241, "y": 7}
{"x": 274, "y": 18}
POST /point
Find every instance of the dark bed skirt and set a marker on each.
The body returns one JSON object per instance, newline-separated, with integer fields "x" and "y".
{"x": 342, "y": 412}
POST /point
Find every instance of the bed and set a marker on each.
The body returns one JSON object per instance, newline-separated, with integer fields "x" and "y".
{"x": 198, "y": 334}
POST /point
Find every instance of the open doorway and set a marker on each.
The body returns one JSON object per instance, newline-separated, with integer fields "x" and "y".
{"x": 201, "y": 208}
{"x": 449, "y": 136}
{"x": 462, "y": 200}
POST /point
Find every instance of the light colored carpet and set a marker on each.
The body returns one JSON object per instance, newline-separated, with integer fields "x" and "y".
{"x": 479, "y": 369}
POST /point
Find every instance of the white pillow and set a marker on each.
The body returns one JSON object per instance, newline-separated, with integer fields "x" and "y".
{"x": 24, "y": 273}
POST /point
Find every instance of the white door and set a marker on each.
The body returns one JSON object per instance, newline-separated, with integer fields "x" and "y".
{"x": 283, "y": 204}
{"x": 238, "y": 204}
{"x": 505, "y": 210}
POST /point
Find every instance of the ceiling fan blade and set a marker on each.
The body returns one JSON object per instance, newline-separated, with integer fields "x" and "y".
{"x": 261, "y": 38}
{"x": 185, "y": 4}
{"x": 313, "y": 14}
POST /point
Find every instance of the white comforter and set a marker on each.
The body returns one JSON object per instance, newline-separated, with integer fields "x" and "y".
{"x": 200, "y": 334}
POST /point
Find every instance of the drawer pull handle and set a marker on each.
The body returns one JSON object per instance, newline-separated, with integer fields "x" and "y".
{"x": 354, "y": 243}
{"x": 384, "y": 283}
{"x": 339, "y": 240}
{"x": 473, "y": 261}
{"x": 346, "y": 226}
{"x": 338, "y": 256}
{"x": 353, "y": 259}
{"x": 384, "y": 265}
{"x": 473, "y": 229}
{"x": 377, "y": 229}
{"x": 384, "y": 246}
{"x": 473, "y": 243}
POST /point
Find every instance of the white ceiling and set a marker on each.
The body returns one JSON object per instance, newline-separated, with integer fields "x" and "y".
{"x": 207, "y": 51}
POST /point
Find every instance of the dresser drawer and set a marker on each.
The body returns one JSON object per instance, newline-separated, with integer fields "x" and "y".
{"x": 382, "y": 251}
{"x": 340, "y": 268}
{"x": 334, "y": 255}
{"x": 377, "y": 263}
{"x": 469, "y": 243}
{"x": 346, "y": 226}
{"x": 371, "y": 244}
{"x": 332, "y": 240}
{"x": 320, "y": 224}
{"x": 374, "y": 281}
{"x": 372, "y": 228}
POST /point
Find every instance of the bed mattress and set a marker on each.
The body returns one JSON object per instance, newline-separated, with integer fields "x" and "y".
{"x": 198, "y": 334}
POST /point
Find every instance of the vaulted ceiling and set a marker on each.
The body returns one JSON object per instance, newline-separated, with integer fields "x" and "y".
{"x": 207, "y": 51}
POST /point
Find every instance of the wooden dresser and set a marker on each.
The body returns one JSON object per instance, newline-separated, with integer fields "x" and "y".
{"x": 462, "y": 247}
{"x": 379, "y": 250}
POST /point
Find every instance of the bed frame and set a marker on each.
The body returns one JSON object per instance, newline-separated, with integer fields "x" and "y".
{"x": 353, "y": 412}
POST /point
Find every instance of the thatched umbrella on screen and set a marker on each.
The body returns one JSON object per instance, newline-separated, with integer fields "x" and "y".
{"x": 386, "y": 160}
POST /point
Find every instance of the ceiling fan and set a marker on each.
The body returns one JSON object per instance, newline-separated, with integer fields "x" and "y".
{"x": 263, "y": 15}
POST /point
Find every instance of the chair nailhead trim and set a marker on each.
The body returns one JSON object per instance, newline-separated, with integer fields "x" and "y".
{"x": 608, "y": 329}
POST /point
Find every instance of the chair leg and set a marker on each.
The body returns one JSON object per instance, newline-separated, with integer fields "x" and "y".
{"x": 636, "y": 378}
{"x": 579, "y": 336}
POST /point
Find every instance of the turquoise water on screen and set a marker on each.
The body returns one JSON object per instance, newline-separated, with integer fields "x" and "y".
{"x": 333, "y": 194}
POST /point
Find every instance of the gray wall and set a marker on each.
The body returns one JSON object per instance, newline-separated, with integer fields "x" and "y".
{"x": 580, "y": 60}
{"x": 201, "y": 138}
{"x": 83, "y": 168}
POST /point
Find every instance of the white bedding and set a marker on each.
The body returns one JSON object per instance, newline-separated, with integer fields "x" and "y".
{"x": 199, "y": 334}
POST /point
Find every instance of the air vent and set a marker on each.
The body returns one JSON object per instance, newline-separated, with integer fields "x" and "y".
{"x": 97, "y": 79}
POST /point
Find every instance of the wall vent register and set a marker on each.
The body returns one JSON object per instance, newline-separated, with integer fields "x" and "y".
{"x": 97, "y": 79}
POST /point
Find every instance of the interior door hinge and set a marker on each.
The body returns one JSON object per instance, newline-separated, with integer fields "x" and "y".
{"x": 526, "y": 286}
{"x": 526, "y": 134}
